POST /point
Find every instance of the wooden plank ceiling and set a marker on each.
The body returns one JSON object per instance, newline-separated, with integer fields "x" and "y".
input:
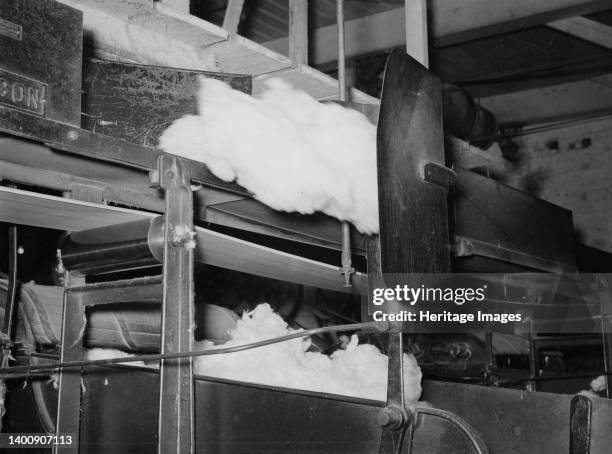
{"x": 266, "y": 20}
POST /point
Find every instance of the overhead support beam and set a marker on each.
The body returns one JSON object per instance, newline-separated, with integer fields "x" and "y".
{"x": 552, "y": 104}
{"x": 298, "y": 32}
{"x": 480, "y": 18}
{"x": 450, "y": 23}
{"x": 362, "y": 36}
{"x": 586, "y": 29}
{"x": 233, "y": 14}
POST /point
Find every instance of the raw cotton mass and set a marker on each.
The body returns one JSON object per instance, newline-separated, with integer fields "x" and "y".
{"x": 290, "y": 151}
{"x": 360, "y": 370}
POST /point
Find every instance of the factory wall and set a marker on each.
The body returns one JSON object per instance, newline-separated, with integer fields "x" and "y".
{"x": 571, "y": 167}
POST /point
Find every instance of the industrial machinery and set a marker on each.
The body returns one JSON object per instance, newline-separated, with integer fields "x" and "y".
{"x": 138, "y": 226}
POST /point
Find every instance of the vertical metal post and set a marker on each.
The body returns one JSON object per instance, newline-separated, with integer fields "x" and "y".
{"x": 534, "y": 362}
{"x": 69, "y": 395}
{"x": 176, "y": 434}
{"x": 11, "y": 297}
{"x": 347, "y": 266}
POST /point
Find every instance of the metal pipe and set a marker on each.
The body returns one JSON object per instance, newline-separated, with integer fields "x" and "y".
{"x": 17, "y": 370}
{"x": 341, "y": 51}
{"x": 347, "y": 265}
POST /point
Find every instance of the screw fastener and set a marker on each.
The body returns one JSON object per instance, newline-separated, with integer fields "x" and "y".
{"x": 182, "y": 236}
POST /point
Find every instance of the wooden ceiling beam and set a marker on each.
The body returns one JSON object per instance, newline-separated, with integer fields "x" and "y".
{"x": 551, "y": 104}
{"x": 298, "y": 32}
{"x": 479, "y": 19}
{"x": 451, "y": 22}
{"x": 233, "y": 14}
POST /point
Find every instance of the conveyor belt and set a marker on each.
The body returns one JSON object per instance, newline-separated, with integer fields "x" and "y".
{"x": 41, "y": 210}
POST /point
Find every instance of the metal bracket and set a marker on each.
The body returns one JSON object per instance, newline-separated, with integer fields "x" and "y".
{"x": 439, "y": 175}
{"x": 176, "y": 414}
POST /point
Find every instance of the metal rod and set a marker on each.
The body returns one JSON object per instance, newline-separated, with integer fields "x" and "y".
{"x": 347, "y": 265}
{"x": 11, "y": 297}
{"x": 606, "y": 340}
{"x": 13, "y": 371}
{"x": 533, "y": 362}
{"x": 341, "y": 51}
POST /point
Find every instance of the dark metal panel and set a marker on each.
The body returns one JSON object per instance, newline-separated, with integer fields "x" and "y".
{"x": 509, "y": 420}
{"x": 322, "y": 230}
{"x": 40, "y": 58}
{"x": 412, "y": 206}
{"x": 120, "y": 415}
{"x": 510, "y": 225}
{"x": 138, "y": 102}
{"x": 235, "y": 418}
{"x": 410, "y": 136}
{"x": 119, "y": 411}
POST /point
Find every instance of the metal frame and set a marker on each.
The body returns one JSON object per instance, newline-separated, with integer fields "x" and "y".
{"x": 174, "y": 289}
{"x": 77, "y": 300}
{"x": 176, "y": 420}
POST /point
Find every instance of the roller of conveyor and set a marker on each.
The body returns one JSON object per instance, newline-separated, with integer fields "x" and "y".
{"x": 136, "y": 244}
{"x": 139, "y": 244}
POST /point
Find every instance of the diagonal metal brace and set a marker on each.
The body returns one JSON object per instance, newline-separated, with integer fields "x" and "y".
{"x": 176, "y": 414}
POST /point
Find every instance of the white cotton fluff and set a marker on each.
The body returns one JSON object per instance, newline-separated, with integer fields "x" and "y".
{"x": 598, "y": 384}
{"x": 107, "y": 353}
{"x": 290, "y": 151}
{"x": 359, "y": 371}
